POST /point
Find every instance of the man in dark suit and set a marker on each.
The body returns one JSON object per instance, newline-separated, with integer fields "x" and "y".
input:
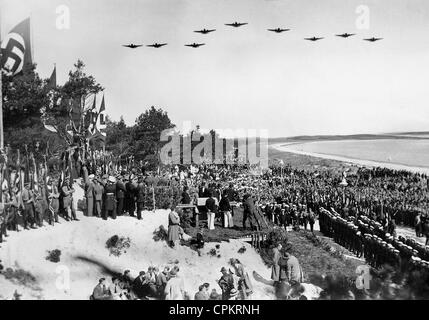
{"x": 211, "y": 211}
{"x": 249, "y": 211}
{"x": 186, "y": 198}
{"x": 140, "y": 197}
{"x": 203, "y": 191}
{"x": 98, "y": 197}
{"x": 139, "y": 285}
{"x": 89, "y": 191}
{"x": 130, "y": 196}
{"x": 120, "y": 195}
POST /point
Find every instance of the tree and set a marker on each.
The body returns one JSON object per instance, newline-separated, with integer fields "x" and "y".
{"x": 66, "y": 114}
{"x": 146, "y": 142}
{"x": 24, "y": 98}
{"x": 118, "y": 137}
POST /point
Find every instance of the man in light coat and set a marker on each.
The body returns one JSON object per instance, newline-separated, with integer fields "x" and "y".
{"x": 175, "y": 288}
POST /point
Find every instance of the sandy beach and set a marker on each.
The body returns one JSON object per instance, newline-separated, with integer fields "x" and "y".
{"x": 360, "y": 162}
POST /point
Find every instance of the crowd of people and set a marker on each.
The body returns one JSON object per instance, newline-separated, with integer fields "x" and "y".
{"x": 168, "y": 284}
{"x": 364, "y": 206}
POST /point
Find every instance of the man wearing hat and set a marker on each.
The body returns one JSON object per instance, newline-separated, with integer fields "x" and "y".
{"x": 290, "y": 269}
{"x": 67, "y": 193}
{"x": 110, "y": 198}
{"x": 139, "y": 285}
{"x": 140, "y": 196}
{"x": 89, "y": 191}
{"x": 202, "y": 293}
{"x": 98, "y": 197}
{"x": 53, "y": 199}
{"x": 130, "y": 195}
{"x": 120, "y": 195}
{"x": 28, "y": 202}
{"x": 226, "y": 282}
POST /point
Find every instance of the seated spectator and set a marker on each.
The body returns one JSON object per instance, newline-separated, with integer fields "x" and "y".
{"x": 175, "y": 289}
{"x": 202, "y": 293}
{"x": 139, "y": 285}
{"x": 116, "y": 292}
{"x": 101, "y": 292}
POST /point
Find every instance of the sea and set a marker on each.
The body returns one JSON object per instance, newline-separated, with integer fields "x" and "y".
{"x": 404, "y": 153}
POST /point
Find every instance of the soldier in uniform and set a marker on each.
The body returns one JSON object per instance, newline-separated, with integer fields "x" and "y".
{"x": 38, "y": 208}
{"x": 140, "y": 197}
{"x": 12, "y": 218}
{"x": 28, "y": 203}
{"x": 120, "y": 195}
{"x": 53, "y": 199}
{"x": 89, "y": 191}
{"x": 98, "y": 197}
{"x": 110, "y": 198}
{"x": 66, "y": 194}
{"x": 130, "y": 196}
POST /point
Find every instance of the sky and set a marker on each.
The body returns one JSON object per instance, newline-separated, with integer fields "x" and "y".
{"x": 247, "y": 77}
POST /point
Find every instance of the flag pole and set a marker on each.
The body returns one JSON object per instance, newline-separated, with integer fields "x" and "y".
{"x": 1, "y": 92}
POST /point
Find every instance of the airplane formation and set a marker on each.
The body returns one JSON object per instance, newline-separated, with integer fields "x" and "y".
{"x": 240, "y": 24}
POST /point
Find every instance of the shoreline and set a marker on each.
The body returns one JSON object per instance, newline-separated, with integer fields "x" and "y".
{"x": 282, "y": 147}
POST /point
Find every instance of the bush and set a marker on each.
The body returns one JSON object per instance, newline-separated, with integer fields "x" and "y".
{"x": 118, "y": 245}
{"x": 160, "y": 234}
{"x": 242, "y": 250}
{"x": 54, "y": 256}
{"x": 212, "y": 252}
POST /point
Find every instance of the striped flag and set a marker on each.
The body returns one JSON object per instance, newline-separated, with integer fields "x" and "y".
{"x": 99, "y": 129}
{"x": 16, "y": 49}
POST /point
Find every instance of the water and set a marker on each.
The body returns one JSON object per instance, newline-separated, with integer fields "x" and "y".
{"x": 406, "y": 152}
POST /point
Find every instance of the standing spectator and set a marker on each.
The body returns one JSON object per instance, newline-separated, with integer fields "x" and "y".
{"x": 98, "y": 197}
{"x": 28, "y": 202}
{"x": 173, "y": 227}
{"x": 110, "y": 198}
{"x": 226, "y": 283}
{"x": 275, "y": 269}
{"x": 140, "y": 197}
{"x": 311, "y": 220}
{"x": 120, "y": 195}
{"x": 225, "y": 209}
{"x": 211, "y": 211}
{"x": 89, "y": 191}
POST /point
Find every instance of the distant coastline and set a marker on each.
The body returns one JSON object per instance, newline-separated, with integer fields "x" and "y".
{"x": 285, "y": 147}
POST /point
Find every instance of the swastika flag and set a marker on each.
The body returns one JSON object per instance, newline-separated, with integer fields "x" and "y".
{"x": 16, "y": 49}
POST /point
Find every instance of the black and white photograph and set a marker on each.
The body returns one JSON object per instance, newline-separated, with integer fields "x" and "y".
{"x": 226, "y": 151}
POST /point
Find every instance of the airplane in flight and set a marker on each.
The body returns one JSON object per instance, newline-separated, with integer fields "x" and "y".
{"x": 195, "y": 45}
{"x": 373, "y": 39}
{"x": 345, "y": 35}
{"x": 236, "y": 24}
{"x": 157, "y": 45}
{"x": 313, "y": 39}
{"x": 278, "y": 30}
{"x": 132, "y": 46}
{"x": 205, "y": 31}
